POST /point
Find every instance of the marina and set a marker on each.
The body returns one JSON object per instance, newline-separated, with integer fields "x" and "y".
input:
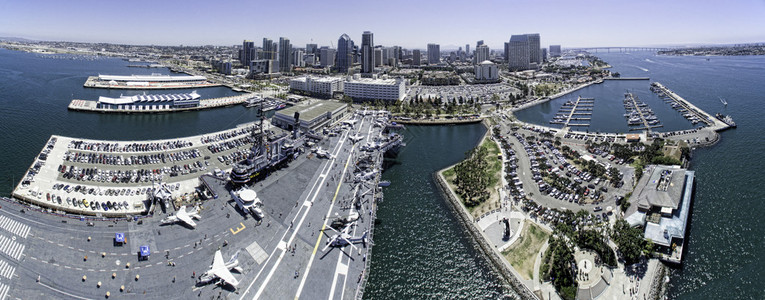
{"x": 690, "y": 112}
{"x": 639, "y": 114}
{"x": 579, "y": 110}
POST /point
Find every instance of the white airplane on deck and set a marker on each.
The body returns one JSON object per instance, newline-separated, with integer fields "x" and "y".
{"x": 323, "y": 153}
{"x": 343, "y": 238}
{"x": 183, "y": 216}
{"x": 355, "y": 138}
{"x": 350, "y": 122}
{"x": 366, "y": 175}
{"x": 220, "y": 270}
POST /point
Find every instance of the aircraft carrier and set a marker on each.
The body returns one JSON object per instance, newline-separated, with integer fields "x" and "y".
{"x": 46, "y": 253}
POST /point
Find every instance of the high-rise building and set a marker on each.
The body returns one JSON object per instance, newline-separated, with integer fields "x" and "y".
{"x": 506, "y": 54}
{"x": 535, "y": 50}
{"x": 311, "y": 49}
{"x": 555, "y": 51}
{"x": 397, "y": 54}
{"x": 478, "y": 43}
{"x": 518, "y": 51}
{"x": 309, "y": 59}
{"x": 327, "y": 57}
{"x": 268, "y": 51}
{"x": 467, "y": 50}
{"x": 434, "y": 54}
{"x": 544, "y": 54}
{"x": 378, "y": 56}
{"x": 416, "y": 56}
{"x": 248, "y": 52}
{"x": 367, "y": 52}
{"x": 344, "y": 53}
{"x": 486, "y": 71}
{"x": 285, "y": 55}
{"x": 297, "y": 58}
{"x": 481, "y": 54}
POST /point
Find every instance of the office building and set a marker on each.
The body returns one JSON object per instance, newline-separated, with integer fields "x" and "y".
{"x": 518, "y": 51}
{"x": 248, "y": 53}
{"x": 311, "y": 49}
{"x": 374, "y": 88}
{"x": 309, "y": 59}
{"x": 378, "y": 56}
{"x": 297, "y": 58}
{"x": 285, "y": 57}
{"x": 535, "y": 50}
{"x": 486, "y": 71}
{"x": 416, "y": 56}
{"x": 467, "y": 50}
{"x": 367, "y": 52}
{"x": 506, "y": 54}
{"x": 555, "y": 51}
{"x": 434, "y": 54}
{"x": 481, "y": 54}
{"x": 262, "y": 66}
{"x": 320, "y": 86}
{"x": 327, "y": 57}
{"x": 344, "y": 53}
{"x": 268, "y": 51}
{"x": 544, "y": 54}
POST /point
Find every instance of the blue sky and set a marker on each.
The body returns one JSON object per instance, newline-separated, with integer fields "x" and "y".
{"x": 412, "y": 24}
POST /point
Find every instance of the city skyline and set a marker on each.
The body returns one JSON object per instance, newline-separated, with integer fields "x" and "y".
{"x": 580, "y": 24}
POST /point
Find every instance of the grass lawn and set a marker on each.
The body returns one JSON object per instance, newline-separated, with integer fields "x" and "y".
{"x": 524, "y": 251}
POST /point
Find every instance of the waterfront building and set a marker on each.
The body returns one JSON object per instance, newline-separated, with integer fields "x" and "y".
{"x": 486, "y": 71}
{"x": 416, "y": 56}
{"x": 434, "y": 54}
{"x": 661, "y": 205}
{"x": 149, "y": 102}
{"x": 248, "y": 53}
{"x": 314, "y": 115}
{"x": 555, "y": 51}
{"x": 518, "y": 53}
{"x": 268, "y": 51}
{"x": 344, "y": 53}
{"x": 481, "y": 54}
{"x": 321, "y": 86}
{"x": 375, "y": 88}
{"x": 535, "y": 52}
{"x": 327, "y": 56}
{"x": 285, "y": 57}
{"x": 367, "y": 52}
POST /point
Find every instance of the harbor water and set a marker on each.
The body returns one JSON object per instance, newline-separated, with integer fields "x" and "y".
{"x": 420, "y": 251}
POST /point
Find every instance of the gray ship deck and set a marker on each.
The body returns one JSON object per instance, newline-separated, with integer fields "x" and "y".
{"x": 298, "y": 201}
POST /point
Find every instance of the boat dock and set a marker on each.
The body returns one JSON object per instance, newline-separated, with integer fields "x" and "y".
{"x": 581, "y": 110}
{"x": 647, "y": 120}
{"x": 148, "y": 82}
{"x": 92, "y": 105}
{"x": 686, "y": 106}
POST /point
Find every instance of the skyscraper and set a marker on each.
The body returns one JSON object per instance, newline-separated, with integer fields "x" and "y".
{"x": 344, "y": 53}
{"x": 434, "y": 54}
{"x": 367, "y": 52}
{"x": 535, "y": 51}
{"x": 311, "y": 49}
{"x": 297, "y": 58}
{"x": 248, "y": 52}
{"x": 378, "y": 56}
{"x": 518, "y": 51}
{"x": 416, "y": 55}
{"x": 285, "y": 57}
{"x": 554, "y": 50}
{"x": 268, "y": 51}
{"x": 327, "y": 56}
{"x": 481, "y": 54}
{"x": 467, "y": 50}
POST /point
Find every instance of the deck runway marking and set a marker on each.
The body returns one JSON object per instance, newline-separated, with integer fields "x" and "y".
{"x": 3, "y": 291}
{"x": 238, "y": 229}
{"x": 257, "y": 252}
{"x": 10, "y": 247}
{"x": 6, "y": 269}
{"x": 14, "y": 226}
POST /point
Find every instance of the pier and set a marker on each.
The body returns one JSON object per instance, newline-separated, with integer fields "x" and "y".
{"x": 92, "y": 105}
{"x": 630, "y": 99}
{"x": 701, "y": 115}
{"x": 581, "y": 110}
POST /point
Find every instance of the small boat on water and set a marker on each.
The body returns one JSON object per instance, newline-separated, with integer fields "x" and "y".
{"x": 723, "y": 101}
